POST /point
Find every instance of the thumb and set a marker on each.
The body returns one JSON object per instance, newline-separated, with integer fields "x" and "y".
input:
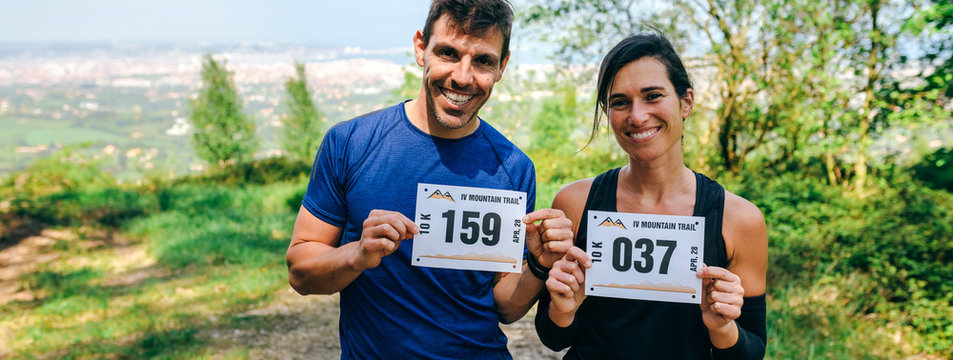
{"x": 531, "y": 228}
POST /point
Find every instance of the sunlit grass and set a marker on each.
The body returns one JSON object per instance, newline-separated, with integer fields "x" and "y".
{"x": 211, "y": 253}
{"x": 820, "y": 321}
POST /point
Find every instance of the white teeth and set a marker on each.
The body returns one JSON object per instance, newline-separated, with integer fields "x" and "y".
{"x": 644, "y": 134}
{"x": 456, "y": 99}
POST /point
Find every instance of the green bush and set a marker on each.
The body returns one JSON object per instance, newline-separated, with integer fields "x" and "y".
{"x": 936, "y": 169}
{"x": 896, "y": 243}
{"x": 107, "y": 206}
{"x": 259, "y": 172}
{"x": 66, "y": 170}
{"x": 69, "y": 189}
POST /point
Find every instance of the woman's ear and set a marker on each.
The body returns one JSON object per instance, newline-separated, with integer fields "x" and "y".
{"x": 688, "y": 102}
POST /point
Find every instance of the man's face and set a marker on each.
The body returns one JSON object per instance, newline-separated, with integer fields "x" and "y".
{"x": 459, "y": 72}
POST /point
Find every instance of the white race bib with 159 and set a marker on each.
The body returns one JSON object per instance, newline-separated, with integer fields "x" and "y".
{"x": 645, "y": 256}
{"x": 469, "y": 228}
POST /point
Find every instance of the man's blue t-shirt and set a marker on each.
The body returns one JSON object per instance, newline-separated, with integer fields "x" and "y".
{"x": 397, "y": 310}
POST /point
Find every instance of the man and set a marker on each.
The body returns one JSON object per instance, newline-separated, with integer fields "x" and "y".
{"x": 361, "y": 198}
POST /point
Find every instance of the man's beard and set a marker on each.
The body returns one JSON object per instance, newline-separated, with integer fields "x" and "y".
{"x": 442, "y": 122}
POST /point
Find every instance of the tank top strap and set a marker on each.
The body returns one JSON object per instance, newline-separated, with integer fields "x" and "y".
{"x": 602, "y": 197}
{"x": 710, "y": 203}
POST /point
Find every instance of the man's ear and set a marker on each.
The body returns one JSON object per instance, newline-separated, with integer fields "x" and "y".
{"x": 506, "y": 59}
{"x": 419, "y": 47}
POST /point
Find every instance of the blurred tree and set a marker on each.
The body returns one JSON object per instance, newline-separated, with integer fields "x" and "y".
{"x": 410, "y": 88}
{"x": 223, "y": 134}
{"x": 749, "y": 55}
{"x": 556, "y": 121}
{"x": 783, "y": 81}
{"x": 303, "y": 125}
{"x": 936, "y": 170}
{"x": 933, "y": 22}
{"x": 584, "y": 30}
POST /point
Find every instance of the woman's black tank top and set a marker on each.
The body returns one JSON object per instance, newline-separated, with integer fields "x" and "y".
{"x": 611, "y": 328}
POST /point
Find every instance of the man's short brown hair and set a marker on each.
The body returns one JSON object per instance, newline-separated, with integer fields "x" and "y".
{"x": 473, "y": 17}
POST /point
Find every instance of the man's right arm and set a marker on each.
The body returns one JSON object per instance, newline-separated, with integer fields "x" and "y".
{"x": 317, "y": 265}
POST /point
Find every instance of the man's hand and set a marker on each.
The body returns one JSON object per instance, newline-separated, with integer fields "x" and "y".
{"x": 722, "y": 296}
{"x": 567, "y": 286}
{"x": 551, "y": 238}
{"x": 382, "y": 234}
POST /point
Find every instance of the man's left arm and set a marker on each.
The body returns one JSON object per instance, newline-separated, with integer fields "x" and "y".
{"x": 548, "y": 237}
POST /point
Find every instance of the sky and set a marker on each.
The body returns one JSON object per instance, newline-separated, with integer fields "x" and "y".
{"x": 369, "y": 24}
{"x": 375, "y": 24}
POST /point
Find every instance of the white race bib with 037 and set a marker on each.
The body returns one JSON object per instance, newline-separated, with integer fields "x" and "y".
{"x": 469, "y": 228}
{"x": 645, "y": 256}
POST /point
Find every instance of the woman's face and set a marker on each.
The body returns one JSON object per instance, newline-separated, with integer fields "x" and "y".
{"x": 645, "y": 112}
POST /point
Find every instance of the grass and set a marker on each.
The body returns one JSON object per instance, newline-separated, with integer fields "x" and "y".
{"x": 211, "y": 253}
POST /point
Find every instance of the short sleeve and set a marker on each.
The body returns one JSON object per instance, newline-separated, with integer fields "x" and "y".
{"x": 325, "y": 197}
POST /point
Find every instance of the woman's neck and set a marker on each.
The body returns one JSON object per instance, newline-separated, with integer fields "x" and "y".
{"x": 662, "y": 187}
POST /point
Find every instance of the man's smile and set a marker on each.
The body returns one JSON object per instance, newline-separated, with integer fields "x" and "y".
{"x": 455, "y": 98}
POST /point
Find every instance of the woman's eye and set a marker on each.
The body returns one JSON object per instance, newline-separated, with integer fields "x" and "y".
{"x": 653, "y": 96}
{"x": 618, "y": 103}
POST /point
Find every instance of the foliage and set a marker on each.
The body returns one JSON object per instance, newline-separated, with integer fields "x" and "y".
{"x": 302, "y": 126}
{"x": 776, "y": 83}
{"x": 70, "y": 189}
{"x": 258, "y": 172}
{"x": 936, "y": 169}
{"x": 894, "y": 247}
{"x": 935, "y": 23}
{"x": 66, "y": 170}
{"x": 223, "y": 135}
{"x": 553, "y": 126}
{"x": 409, "y": 88}
{"x": 583, "y": 31}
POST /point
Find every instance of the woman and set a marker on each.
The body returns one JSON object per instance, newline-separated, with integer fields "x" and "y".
{"x": 645, "y": 93}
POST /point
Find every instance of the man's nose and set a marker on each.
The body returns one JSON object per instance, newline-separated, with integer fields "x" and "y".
{"x": 462, "y": 75}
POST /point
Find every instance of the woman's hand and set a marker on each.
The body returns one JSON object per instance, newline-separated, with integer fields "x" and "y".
{"x": 722, "y": 296}
{"x": 566, "y": 286}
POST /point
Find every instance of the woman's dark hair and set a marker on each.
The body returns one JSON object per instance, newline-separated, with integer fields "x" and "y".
{"x": 473, "y": 17}
{"x": 631, "y": 49}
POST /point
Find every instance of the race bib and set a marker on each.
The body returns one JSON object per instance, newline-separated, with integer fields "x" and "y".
{"x": 469, "y": 228}
{"x": 645, "y": 256}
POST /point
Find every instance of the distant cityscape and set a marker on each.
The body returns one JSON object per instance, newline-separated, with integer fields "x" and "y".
{"x": 131, "y": 102}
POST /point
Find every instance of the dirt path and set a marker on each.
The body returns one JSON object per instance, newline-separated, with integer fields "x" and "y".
{"x": 306, "y": 327}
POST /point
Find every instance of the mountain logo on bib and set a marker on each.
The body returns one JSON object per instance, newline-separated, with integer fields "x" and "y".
{"x": 609, "y": 223}
{"x": 438, "y": 195}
